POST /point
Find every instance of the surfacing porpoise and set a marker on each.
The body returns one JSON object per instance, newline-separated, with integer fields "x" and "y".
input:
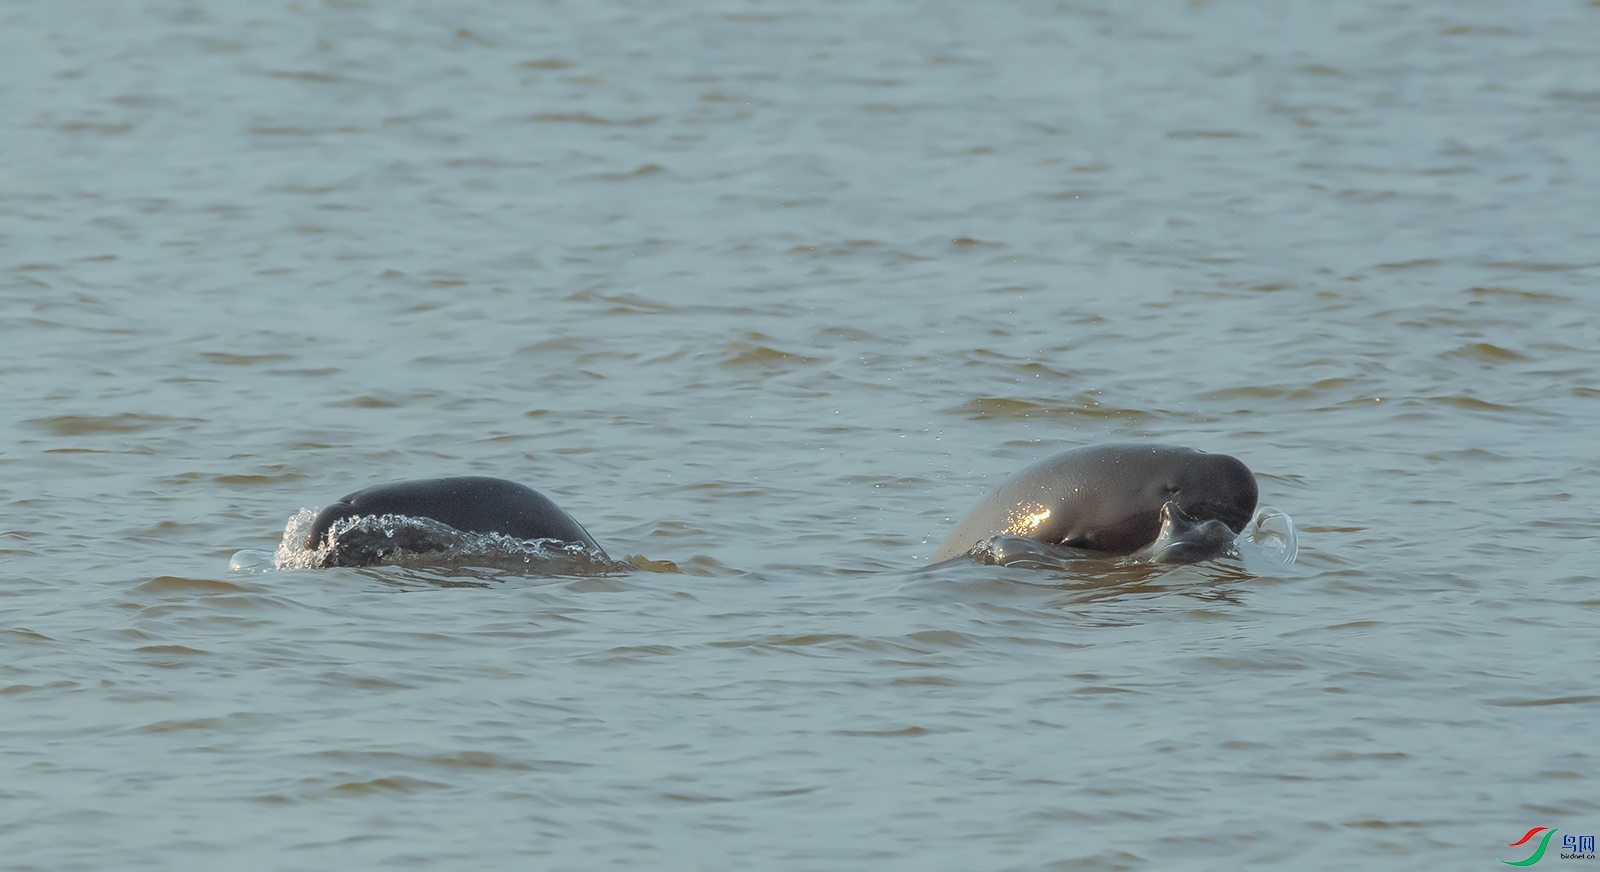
{"x": 1119, "y": 499}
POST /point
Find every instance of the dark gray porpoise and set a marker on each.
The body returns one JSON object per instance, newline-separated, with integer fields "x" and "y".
{"x": 471, "y": 504}
{"x": 1112, "y": 500}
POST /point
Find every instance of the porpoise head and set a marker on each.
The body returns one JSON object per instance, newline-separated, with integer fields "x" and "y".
{"x": 1212, "y": 487}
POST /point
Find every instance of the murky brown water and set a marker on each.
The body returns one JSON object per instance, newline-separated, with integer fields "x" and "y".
{"x": 774, "y": 292}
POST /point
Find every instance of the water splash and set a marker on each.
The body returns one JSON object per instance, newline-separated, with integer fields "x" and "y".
{"x": 1268, "y": 541}
{"x": 1184, "y": 540}
{"x": 251, "y": 561}
{"x": 1270, "y": 537}
{"x": 399, "y": 540}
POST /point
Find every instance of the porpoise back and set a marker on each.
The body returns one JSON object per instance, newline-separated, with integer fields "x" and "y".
{"x": 472, "y": 504}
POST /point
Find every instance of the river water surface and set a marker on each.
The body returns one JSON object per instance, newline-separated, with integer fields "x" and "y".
{"x": 771, "y": 293}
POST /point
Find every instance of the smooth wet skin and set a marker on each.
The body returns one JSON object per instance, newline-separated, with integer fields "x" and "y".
{"x": 1118, "y": 499}
{"x": 469, "y": 504}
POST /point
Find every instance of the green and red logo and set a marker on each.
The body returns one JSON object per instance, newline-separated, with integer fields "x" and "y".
{"x": 1538, "y": 853}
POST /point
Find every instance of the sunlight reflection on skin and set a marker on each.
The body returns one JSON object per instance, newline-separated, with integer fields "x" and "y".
{"x": 1023, "y": 524}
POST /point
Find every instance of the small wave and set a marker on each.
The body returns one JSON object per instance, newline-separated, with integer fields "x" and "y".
{"x": 1006, "y": 550}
